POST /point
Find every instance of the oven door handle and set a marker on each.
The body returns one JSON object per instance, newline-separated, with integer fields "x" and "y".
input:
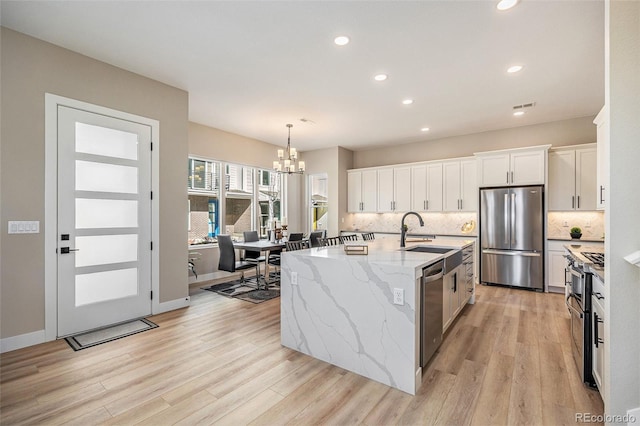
{"x": 571, "y": 308}
{"x": 576, "y": 273}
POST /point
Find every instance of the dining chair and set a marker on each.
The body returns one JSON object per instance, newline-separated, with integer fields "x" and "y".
{"x": 330, "y": 241}
{"x": 297, "y": 245}
{"x": 253, "y": 256}
{"x": 352, "y": 237}
{"x": 368, "y": 236}
{"x": 295, "y": 236}
{"x": 313, "y": 238}
{"x": 228, "y": 260}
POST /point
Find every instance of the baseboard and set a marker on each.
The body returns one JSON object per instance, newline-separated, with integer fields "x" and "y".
{"x": 22, "y": 341}
{"x": 171, "y": 305}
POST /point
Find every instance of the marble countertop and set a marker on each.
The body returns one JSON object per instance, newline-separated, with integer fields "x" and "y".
{"x": 387, "y": 252}
{"x": 575, "y": 250}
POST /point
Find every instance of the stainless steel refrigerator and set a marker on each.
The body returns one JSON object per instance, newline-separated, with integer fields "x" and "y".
{"x": 512, "y": 236}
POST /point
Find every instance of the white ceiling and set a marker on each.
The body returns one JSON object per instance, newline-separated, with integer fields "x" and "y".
{"x": 251, "y": 67}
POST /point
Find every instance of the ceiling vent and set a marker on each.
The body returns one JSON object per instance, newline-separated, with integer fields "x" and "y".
{"x": 523, "y": 106}
{"x": 306, "y": 120}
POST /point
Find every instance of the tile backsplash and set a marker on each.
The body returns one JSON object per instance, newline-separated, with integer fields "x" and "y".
{"x": 434, "y": 223}
{"x": 591, "y": 223}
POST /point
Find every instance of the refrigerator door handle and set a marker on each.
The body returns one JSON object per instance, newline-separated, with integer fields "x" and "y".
{"x": 511, "y": 253}
{"x": 513, "y": 219}
{"x": 506, "y": 215}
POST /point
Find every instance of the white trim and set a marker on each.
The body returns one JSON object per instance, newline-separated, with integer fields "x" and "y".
{"x": 171, "y": 305}
{"x": 51, "y": 103}
{"x": 22, "y": 341}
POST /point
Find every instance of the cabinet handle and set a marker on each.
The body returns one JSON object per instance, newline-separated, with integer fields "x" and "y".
{"x": 507, "y": 177}
{"x": 460, "y": 204}
{"x": 427, "y": 205}
{"x": 598, "y": 295}
{"x": 573, "y": 201}
{"x": 601, "y": 190}
{"x": 578, "y": 201}
{"x": 597, "y": 320}
{"x": 511, "y": 177}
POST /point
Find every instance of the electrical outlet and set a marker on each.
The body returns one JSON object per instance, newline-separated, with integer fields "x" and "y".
{"x": 566, "y": 224}
{"x": 398, "y": 296}
{"x": 294, "y": 278}
{"x": 587, "y": 225}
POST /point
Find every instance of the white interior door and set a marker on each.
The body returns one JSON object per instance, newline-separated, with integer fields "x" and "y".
{"x": 104, "y": 220}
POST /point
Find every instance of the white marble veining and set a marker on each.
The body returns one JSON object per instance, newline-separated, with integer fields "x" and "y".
{"x": 341, "y": 309}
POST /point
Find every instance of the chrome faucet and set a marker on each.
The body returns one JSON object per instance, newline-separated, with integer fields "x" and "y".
{"x": 403, "y": 232}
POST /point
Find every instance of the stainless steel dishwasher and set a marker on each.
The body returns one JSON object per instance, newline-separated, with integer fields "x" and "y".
{"x": 431, "y": 308}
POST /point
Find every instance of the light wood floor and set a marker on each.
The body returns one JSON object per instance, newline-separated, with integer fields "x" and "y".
{"x": 506, "y": 360}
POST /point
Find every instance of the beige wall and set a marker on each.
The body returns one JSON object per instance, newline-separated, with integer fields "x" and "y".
{"x": 334, "y": 162}
{"x": 558, "y": 133}
{"x": 31, "y": 68}
{"x": 622, "y": 303}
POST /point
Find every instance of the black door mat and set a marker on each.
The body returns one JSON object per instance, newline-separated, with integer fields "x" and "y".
{"x": 108, "y": 334}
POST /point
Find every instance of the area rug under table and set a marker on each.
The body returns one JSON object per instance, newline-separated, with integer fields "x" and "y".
{"x": 237, "y": 290}
{"x": 109, "y": 334}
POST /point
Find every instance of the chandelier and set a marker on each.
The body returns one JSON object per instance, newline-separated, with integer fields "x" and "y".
{"x": 288, "y": 158}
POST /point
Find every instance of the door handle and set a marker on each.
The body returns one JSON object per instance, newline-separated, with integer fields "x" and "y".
{"x": 506, "y": 215}
{"x": 66, "y": 250}
{"x": 513, "y": 218}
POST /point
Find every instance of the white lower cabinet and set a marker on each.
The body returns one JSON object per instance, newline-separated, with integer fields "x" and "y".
{"x": 556, "y": 262}
{"x": 597, "y": 321}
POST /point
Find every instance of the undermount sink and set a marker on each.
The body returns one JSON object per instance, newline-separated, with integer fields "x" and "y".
{"x": 438, "y": 250}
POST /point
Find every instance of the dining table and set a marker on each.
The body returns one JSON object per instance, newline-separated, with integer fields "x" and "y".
{"x": 261, "y": 246}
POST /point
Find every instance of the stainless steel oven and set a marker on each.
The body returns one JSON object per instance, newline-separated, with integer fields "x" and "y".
{"x": 578, "y": 301}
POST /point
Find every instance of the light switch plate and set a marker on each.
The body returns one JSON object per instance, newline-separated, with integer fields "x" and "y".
{"x": 23, "y": 227}
{"x": 294, "y": 278}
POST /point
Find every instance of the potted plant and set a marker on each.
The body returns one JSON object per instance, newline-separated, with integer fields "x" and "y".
{"x": 575, "y": 232}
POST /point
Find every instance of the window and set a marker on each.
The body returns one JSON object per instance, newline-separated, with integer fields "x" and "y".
{"x": 204, "y": 190}
{"x": 269, "y": 199}
{"x": 239, "y": 212}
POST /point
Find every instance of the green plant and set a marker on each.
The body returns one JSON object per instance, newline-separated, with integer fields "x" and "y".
{"x": 576, "y": 230}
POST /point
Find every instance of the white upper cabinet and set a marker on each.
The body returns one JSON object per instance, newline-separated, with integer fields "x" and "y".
{"x": 426, "y": 184}
{"x": 394, "y": 189}
{"x": 362, "y": 191}
{"x": 602, "y": 178}
{"x": 572, "y": 181}
{"x": 460, "y": 185}
{"x": 524, "y": 166}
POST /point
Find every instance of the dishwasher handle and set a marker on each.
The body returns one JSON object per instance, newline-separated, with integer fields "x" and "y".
{"x": 433, "y": 272}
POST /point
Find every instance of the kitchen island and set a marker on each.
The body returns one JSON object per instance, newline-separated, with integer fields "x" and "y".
{"x": 340, "y": 308}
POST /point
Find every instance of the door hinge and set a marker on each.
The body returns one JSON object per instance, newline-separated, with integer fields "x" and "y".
{"x": 152, "y": 195}
{"x": 151, "y": 294}
{"x": 151, "y": 146}
{"x": 151, "y": 245}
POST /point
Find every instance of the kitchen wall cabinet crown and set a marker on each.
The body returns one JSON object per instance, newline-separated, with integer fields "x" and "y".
{"x": 522, "y": 166}
{"x": 572, "y": 181}
{"x": 362, "y": 191}
{"x": 602, "y": 176}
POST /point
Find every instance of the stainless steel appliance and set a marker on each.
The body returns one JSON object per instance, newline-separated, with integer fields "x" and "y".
{"x": 512, "y": 236}
{"x": 431, "y": 307}
{"x": 578, "y": 301}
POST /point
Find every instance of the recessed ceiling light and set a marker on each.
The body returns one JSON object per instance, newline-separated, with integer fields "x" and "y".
{"x": 514, "y": 68}
{"x": 380, "y": 77}
{"x": 518, "y": 113}
{"x": 506, "y": 4}
{"x": 407, "y": 102}
{"x": 424, "y": 129}
{"x": 341, "y": 40}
